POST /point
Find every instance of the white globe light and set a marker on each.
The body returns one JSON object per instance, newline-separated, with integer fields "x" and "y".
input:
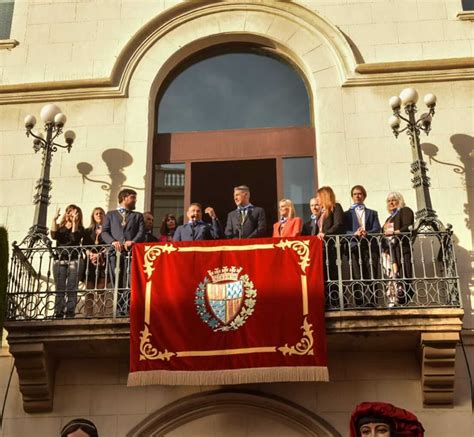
{"x": 430, "y": 100}
{"x": 394, "y": 122}
{"x": 60, "y": 119}
{"x": 409, "y": 96}
{"x": 30, "y": 121}
{"x": 48, "y": 112}
{"x": 395, "y": 102}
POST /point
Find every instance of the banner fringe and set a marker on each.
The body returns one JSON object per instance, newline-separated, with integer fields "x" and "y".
{"x": 227, "y": 377}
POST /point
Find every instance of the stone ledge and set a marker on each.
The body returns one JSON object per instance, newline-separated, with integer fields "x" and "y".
{"x": 37, "y": 346}
{"x": 8, "y": 44}
{"x": 465, "y": 16}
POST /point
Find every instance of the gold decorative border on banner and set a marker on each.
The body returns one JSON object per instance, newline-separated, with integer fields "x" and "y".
{"x": 303, "y": 347}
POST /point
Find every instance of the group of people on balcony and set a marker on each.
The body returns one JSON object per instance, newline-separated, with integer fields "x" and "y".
{"x": 122, "y": 227}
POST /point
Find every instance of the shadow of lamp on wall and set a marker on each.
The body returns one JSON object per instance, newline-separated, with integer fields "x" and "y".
{"x": 464, "y": 146}
{"x": 116, "y": 160}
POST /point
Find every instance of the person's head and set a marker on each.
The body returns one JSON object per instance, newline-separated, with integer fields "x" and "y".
{"x": 97, "y": 216}
{"x": 127, "y": 198}
{"x": 168, "y": 224}
{"x": 373, "y": 426}
{"x": 379, "y": 419}
{"x": 242, "y": 195}
{"x": 70, "y": 213}
{"x": 148, "y": 219}
{"x": 194, "y": 212}
{"x": 79, "y": 428}
{"x": 326, "y": 198}
{"x": 395, "y": 200}
{"x": 287, "y": 208}
{"x": 358, "y": 194}
{"x": 314, "y": 206}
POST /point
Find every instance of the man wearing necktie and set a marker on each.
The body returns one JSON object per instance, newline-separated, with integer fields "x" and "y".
{"x": 311, "y": 226}
{"x": 364, "y": 251}
{"x": 196, "y": 229}
{"x": 247, "y": 221}
{"x": 122, "y": 228}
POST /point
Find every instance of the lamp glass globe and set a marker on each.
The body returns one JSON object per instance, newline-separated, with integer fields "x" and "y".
{"x": 409, "y": 96}
{"x": 48, "y": 112}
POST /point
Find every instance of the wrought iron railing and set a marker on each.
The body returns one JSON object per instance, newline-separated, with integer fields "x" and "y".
{"x": 402, "y": 271}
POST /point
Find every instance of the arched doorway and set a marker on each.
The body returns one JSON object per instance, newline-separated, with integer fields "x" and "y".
{"x": 243, "y": 412}
{"x": 233, "y": 114}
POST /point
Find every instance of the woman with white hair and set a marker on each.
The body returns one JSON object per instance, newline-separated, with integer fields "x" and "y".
{"x": 289, "y": 225}
{"x": 397, "y": 249}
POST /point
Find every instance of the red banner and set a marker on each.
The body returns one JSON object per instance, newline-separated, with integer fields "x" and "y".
{"x": 227, "y": 312}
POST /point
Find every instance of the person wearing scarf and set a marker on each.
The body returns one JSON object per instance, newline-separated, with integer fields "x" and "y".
{"x": 196, "y": 229}
{"x": 288, "y": 225}
{"x": 380, "y": 419}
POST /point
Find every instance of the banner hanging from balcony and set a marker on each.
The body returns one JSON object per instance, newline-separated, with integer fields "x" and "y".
{"x": 227, "y": 312}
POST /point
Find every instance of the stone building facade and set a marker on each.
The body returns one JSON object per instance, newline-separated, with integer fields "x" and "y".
{"x": 105, "y": 61}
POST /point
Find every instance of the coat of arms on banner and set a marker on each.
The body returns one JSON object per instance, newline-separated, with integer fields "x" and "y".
{"x": 225, "y": 299}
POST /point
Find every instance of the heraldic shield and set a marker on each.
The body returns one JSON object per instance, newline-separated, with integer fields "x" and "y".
{"x": 225, "y": 300}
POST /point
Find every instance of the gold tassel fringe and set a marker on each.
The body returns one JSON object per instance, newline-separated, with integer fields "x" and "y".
{"x": 226, "y": 377}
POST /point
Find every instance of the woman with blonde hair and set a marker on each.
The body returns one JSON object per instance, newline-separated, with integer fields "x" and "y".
{"x": 397, "y": 255}
{"x": 288, "y": 225}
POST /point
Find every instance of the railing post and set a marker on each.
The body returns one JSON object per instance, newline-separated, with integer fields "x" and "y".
{"x": 339, "y": 271}
{"x": 116, "y": 282}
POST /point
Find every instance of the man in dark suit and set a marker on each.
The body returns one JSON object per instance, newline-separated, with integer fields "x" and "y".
{"x": 196, "y": 229}
{"x": 311, "y": 226}
{"x": 247, "y": 221}
{"x": 122, "y": 228}
{"x": 148, "y": 221}
{"x": 364, "y": 251}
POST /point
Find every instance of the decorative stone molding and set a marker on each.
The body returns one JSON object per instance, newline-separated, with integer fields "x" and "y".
{"x": 437, "y": 373}
{"x": 324, "y": 33}
{"x": 465, "y": 16}
{"x": 8, "y": 44}
{"x": 35, "y": 370}
{"x": 193, "y": 407}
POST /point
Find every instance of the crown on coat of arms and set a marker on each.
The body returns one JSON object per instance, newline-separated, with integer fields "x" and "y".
{"x": 225, "y": 274}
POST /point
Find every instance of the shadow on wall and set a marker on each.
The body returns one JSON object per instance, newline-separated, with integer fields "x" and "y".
{"x": 116, "y": 160}
{"x": 464, "y": 146}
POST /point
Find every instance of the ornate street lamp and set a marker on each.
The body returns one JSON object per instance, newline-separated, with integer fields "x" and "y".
{"x": 426, "y": 217}
{"x": 54, "y": 121}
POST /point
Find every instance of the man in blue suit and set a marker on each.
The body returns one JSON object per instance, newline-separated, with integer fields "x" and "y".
{"x": 196, "y": 229}
{"x": 247, "y": 221}
{"x": 122, "y": 228}
{"x": 364, "y": 251}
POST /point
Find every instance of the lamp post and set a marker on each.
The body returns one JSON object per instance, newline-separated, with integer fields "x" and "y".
{"x": 426, "y": 217}
{"x": 54, "y": 121}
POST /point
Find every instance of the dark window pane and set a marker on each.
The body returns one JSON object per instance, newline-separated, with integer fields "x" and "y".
{"x": 234, "y": 91}
{"x": 298, "y": 177}
{"x": 6, "y": 14}
{"x": 168, "y": 193}
{"x": 468, "y": 5}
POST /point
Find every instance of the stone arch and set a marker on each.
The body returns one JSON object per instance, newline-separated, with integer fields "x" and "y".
{"x": 200, "y": 405}
{"x": 315, "y": 47}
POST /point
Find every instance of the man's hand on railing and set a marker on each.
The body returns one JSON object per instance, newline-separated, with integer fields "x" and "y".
{"x": 117, "y": 246}
{"x": 128, "y": 244}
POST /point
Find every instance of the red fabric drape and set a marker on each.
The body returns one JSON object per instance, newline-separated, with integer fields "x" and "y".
{"x": 219, "y": 312}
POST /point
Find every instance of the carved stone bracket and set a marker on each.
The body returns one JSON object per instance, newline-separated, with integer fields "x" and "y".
{"x": 438, "y": 360}
{"x": 36, "y": 376}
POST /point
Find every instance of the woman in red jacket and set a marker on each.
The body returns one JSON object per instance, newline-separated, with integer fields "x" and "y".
{"x": 288, "y": 225}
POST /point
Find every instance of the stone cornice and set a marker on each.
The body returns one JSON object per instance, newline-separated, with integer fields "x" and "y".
{"x": 8, "y": 44}
{"x": 116, "y": 86}
{"x": 465, "y": 16}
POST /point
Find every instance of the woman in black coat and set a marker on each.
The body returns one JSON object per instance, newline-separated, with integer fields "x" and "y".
{"x": 397, "y": 247}
{"x": 330, "y": 222}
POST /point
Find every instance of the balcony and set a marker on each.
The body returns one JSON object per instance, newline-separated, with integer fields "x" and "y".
{"x": 390, "y": 291}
